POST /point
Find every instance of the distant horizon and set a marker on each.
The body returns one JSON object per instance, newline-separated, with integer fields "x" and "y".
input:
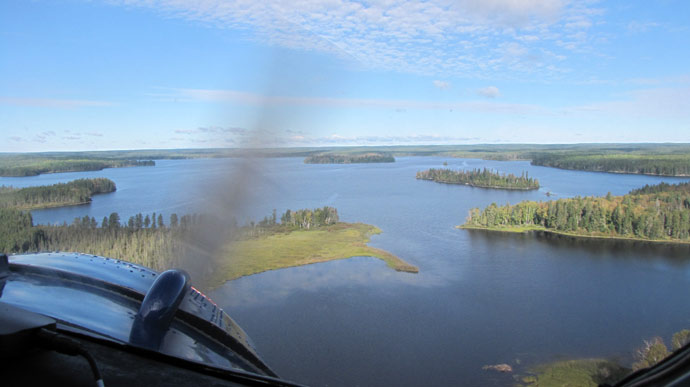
{"x": 348, "y": 146}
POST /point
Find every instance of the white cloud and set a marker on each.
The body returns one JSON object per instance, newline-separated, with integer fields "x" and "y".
{"x": 443, "y": 85}
{"x": 426, "y": 37}
{"x": 489, "y": 92}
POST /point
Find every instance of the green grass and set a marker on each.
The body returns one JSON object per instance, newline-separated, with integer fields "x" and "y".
{"x": 581, "y": 372}
{"x": 295, "y": 248}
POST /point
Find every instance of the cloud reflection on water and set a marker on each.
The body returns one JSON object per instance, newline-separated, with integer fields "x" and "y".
{"x": 275, "y": 285}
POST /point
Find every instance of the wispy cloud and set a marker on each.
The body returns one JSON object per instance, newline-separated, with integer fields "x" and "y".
{"x": 489, "y": 92}
{"x": 214, "y": 130}
{"x": 665, "y": 102}
{"x": 429, "y": 37}
{"x": 443, "y": 85}
{"x": 52, "y": 102}
{"x": 286, "y": 139}
{"x": 240, "y": 97}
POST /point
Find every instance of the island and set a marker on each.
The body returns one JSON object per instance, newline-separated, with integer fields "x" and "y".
{"x": 485, "y": 178}
{"x": 223, "y": 250}
{"x": 658, "y": 213}
{"x": 333, "y": 158}
{"x": 57, "y": 195}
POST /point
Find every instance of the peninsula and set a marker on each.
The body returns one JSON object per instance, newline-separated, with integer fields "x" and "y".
{"x": 57, "y": 195}
{"x": 480, "y": 178}
{"x": 21, "y": 165}
{"x": 300, "y": 238}
{"x": 659, "y": 213}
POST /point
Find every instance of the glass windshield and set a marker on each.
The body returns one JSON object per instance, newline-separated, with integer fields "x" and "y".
{"x": 378, "y": 193}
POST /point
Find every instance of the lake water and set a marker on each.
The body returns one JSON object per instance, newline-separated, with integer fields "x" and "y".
{"x": 479, "y": 298}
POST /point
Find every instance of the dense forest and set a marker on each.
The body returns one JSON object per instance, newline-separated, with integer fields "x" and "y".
{"x": 349, "y": 158}
{"x": 56, "y": 195}
{"x": 659, "y": 212}
{"x": 145, "y": 239}
{"x": 33, "y": 167}
{"x": 665, "y": 165}
{"x": 485, "y": 178}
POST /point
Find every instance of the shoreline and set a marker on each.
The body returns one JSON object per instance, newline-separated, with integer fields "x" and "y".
{"x": 54, "y": 205}
{"x": 616, "y": 172}
{"x": 530, "y": 229}
{"x": 481, "y": 186}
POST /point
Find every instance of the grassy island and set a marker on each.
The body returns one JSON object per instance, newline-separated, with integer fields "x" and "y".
{"x": 56, "y": 195}
{"x": 659, "y": 213}
{"x": 480, "y": 178}
{"x": 281, "y": 249}
{"x": 332, "y": 158}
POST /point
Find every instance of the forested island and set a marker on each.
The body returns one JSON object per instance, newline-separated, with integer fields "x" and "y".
{"x": 301, "y": 237}
{"x": 331, "y": 158}
{"x": 33, "y": 165}
{"x": 57, "y": 195}
{"x": 485, "y": 178}
{"x": 653, "y": 213}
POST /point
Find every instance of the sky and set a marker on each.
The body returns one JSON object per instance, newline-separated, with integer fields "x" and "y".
{"x": 142, "y": 74}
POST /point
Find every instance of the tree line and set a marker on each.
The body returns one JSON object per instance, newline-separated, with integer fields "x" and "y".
{"x": 330, "y": 158}
{"x": 485, "y": 178}
{"x": 33, "y": 167}
{"x": 665, "y": 165}
{"x": 663, "y": 214}
{"x": 61, "y": 194}
{"x": 146, "y": 239}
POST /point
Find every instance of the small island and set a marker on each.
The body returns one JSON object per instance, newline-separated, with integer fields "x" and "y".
{"x": 658, "y": 213}
{"x": 57, "y": 195}
{"x": 480, "y": 178}
{"x": 332, "y": 158}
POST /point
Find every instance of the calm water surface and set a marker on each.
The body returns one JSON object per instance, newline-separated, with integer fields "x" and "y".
{"x": 480, "y": 298}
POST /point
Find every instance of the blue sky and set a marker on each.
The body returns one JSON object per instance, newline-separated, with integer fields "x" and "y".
{"x": 132, "y": 74}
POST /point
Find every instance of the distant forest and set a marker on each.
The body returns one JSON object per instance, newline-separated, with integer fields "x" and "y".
{"x": 660, "y": 212}
{"x": 485, "y": 178}
{"x": 26, "y": 166}
{"x": 61, "y": 194}
{"x": 664, "y": 165}
{"x": 655, "y": 159}
{"x": 148, "y": 240}
{"x": 349, "y": 158}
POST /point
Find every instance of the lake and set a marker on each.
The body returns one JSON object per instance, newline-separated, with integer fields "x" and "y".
{"x": 480, "y": 298}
